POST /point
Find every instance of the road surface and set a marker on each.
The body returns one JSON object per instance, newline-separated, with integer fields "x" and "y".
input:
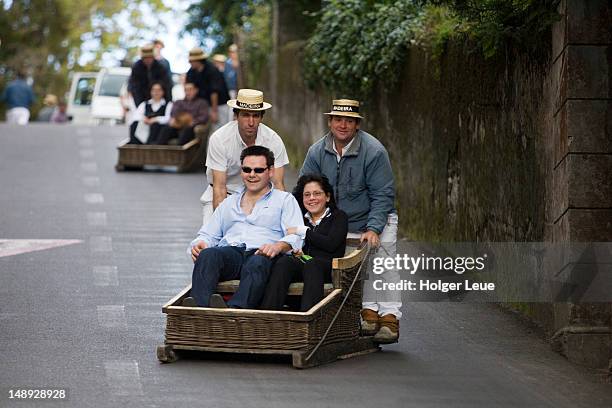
{"x": 89, "y": 255}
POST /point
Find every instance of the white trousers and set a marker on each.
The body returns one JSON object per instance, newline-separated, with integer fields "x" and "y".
{"x": 225, "y": 114}
{"x": 18, "y": 116}
{"x": 207, "y": 205}
{"x": 387, "y": 301}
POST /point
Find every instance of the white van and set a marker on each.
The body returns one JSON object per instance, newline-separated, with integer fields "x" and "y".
{"x": 106, "y": 105}
{"x": 95, "y": 96}
{"x": 80, "y": 97}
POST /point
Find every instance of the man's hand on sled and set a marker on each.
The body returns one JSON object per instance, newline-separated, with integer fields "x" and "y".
{"x": 272, "y": 250}
{"x": 372, "y": 238}
{"x": 195, "y": 250}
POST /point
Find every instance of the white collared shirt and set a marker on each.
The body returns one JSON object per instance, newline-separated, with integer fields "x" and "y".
{"x": 162, "y": 120}
{"x": 225, "y": 146}
{"x": 301, "y": 230}
{"x": 344, "y": 149}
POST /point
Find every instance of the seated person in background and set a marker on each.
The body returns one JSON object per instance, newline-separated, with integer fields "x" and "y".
{"x": 150, "y": 117}
{"x": 324, "y": 238}
{"x": 185, "y": 116}
{"x": 59, "y": 114}
{"x": 50, "y": 102}
{"x": 246, "y": 232}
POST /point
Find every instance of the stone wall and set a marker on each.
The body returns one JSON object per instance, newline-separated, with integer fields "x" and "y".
{"x": 580, "y": 200}
{"x": 515, "y": 148}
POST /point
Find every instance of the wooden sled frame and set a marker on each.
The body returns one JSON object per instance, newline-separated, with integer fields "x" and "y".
{"x": 325, "y": 333}
{"x": 186, "y": 158}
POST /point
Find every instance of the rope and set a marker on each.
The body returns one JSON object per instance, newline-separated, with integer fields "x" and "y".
{"x": 348, "y": 292}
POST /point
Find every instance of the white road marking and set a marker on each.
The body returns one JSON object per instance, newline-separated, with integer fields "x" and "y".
{"x": 91, "y": 181}
{"x": 86, "y": 153}
{"x": 101, "y": 244}
{"x": 96, "y": 219}
{"x": 105, "y": 276}
{"x": 93, "y": 198}
{"x": 123, "y": 377}
{"x": 89, "y": 167}
{"x": 112, "y": 316}
{"x": 9, "y": 247}
{"x": 86, "y": 142}
{"x": 83, "y": 132}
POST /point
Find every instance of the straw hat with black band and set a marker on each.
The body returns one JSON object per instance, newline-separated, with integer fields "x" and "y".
{"x": 219, "y": 58}
{"x": 249, "y": 99}
{"x": 345, "y": 107}
{"x": 197, "y": 54}
{"x": 146, "y": 51}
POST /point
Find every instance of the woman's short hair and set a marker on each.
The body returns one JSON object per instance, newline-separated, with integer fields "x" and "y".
{"x": 298, "y": 191}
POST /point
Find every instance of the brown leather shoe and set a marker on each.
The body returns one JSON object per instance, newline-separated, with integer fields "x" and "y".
{"x": 369, "y": 322}
{"x": 389, "y": 330}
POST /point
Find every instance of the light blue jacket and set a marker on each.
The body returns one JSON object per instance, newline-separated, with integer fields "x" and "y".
{"x": 362, "y": 180}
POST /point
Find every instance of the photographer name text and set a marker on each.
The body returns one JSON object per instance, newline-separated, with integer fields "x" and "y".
{"x": 433, "y": 285}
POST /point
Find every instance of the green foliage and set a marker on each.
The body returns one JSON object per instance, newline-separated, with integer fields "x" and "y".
{"x": 357, "y": 42}
{"x": 45, "y": 37}
{"x": 222, "y": 20}
{"x": 493, "y": 23}
{"x": 247, "y": 23}
{"x": 257, "y": 43}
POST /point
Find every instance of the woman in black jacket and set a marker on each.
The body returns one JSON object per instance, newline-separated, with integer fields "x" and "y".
{"x": 324, "y": 238}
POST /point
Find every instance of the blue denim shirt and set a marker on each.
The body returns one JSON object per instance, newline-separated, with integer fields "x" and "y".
{"x": 18, "y": 94}
{"x": 268, "y": 222}
{"x": 362, "y": 180}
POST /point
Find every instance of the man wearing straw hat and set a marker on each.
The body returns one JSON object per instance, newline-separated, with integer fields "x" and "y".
{"x": 212, "y": 86}
{"x": 225, "y": 145}
{"x": 145, "y": 71}
{"x": 358, "y": 167}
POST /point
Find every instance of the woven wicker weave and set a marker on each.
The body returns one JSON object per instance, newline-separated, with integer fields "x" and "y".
{"x": 270, "y": 331}
{"x": 189, "y": 157}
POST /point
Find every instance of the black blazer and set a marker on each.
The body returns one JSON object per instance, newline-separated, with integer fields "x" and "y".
{"x": 328, "y": 239}
{"x": 139, "y": 83}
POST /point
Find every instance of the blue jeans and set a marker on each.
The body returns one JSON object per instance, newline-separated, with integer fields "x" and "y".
{"x": 229, "y": 263}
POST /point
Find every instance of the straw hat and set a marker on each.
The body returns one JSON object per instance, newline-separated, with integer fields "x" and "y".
{"x": 249, "y": 99}
{"x": 50, "y": 100}
{"x": 219, "y": 58}
{"x": 146, "y": 51}
{"x": 197, "y": 54}
{"x": 345, "y": 107}
{"x": 233, "y": 48}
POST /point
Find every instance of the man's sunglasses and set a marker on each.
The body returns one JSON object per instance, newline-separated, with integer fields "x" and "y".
{"x": 257, "y": 170}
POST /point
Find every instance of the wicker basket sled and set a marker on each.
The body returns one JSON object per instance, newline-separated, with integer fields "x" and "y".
{"x": 325, "y": 333}
{"x": 186, "y": 158}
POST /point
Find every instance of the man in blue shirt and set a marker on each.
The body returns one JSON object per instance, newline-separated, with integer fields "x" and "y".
{"x": 18, "y": 97}
{"x": 246, "y": 232}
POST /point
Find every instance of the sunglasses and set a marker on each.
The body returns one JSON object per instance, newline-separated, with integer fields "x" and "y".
{"x": 257, "y": 170}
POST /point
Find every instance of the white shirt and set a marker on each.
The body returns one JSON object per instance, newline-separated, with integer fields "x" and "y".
{"x": 225, "y": 146}
{"x": 344, "y": 149}
{"x": 301, "y": 230}
{"x": 162, "y": 120}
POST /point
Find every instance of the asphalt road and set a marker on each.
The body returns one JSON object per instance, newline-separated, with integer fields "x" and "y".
{"x": 86, "y": 316}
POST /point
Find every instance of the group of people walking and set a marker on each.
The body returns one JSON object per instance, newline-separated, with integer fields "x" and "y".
{"x": 255, "y": 231}
{"x": 206, "y": 89}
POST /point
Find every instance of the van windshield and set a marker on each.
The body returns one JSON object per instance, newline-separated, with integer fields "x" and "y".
{"x": 111, "y": 85}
